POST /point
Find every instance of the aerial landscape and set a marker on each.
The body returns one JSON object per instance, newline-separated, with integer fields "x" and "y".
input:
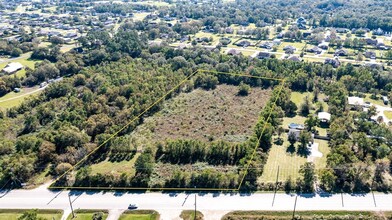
{"x": 195, "y": 109}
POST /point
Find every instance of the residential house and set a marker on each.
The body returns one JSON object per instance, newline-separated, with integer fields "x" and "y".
{"x": 233, "y": 52}
{"x": 323, "y": 45}
{"x": 243, "y": 43}
{"x": 12, "y": 68}
{"x": 280, "y": 35}
{"x": 229, "y": 30}
{"x": 267, "y": 45}
{"x": 306, "y": 34}
{"x": 354, "y": 101}
{"x": 315, "y": 50}
{"x": 276, "y": 42}
{"x": 341, "y": 30}
{"x": 294, "y": 58}
{"x": 371, "y": 41}
{"x": 324, "y": 117}
{"x": 297, "y": 134}
{"x": 333, "y": 61}
{"x": 263, "y": 55}
{"x": 379, "y": 31}
{"x": 301, "y": 20}
{"x": 341, "y": 52}
{"x": 370, "y": 54}
{"x": 289, "y": 49}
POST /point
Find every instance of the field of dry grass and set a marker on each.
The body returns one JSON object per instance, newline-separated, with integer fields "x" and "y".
{"x": 218, "y": 114}
{"x": 211, "y": 115}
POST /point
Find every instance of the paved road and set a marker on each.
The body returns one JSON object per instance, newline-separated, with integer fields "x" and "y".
{"x": 170, "y": 205}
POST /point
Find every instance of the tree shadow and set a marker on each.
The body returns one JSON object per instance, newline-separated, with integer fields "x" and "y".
{"x": 303, "y": 151}
{"x": 290, "y": 149}
{"x": 278, "y": 141}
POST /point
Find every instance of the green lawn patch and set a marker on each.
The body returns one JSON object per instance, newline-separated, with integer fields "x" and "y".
{"x": 108, "y": 167}
{"x": 190, "y": 215}
{"x": 13, "y": 99}
{"x": 321, "y": 163}
{"x": 388, "y": 114}
{"x": 85, "y": 214}
{"x": 14, "y": 214}
{"x": 140, "y": 215}
{"x": 298, "y": 98}
{"x": 377, "y": 101}
{"x": 253, "y": 215}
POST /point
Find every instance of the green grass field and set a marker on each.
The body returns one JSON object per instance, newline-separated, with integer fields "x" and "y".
{"x": 15, "y": 214}
{"x": 378, "y": 101}
{"x": 13, "y": 99}
{"x": 388, "y": 114}
{"x": 140, "y": 215}
{"x": 287, "y": 163}
{"x": 107, "y": 167}
{"x": 321, "y": 163}
{"x": 87, "y": 214}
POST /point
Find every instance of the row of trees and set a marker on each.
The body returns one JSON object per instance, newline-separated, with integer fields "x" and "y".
{"x": 192, "y": 151}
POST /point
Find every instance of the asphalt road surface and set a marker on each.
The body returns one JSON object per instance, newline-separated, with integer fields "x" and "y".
{"x": 170, "y": 205}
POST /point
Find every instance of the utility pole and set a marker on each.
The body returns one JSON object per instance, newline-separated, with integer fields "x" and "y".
{"x": 195, "y": 205}
{"x": 295, "y": 205}
{"x": 70, "y": 204}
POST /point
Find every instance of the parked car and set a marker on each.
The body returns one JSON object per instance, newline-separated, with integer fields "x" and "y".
{"x": 385, "y": 100}
{"x": 132, "y": 206}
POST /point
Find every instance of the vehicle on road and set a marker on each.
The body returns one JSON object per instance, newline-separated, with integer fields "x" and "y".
{"x": 132, "y": 206}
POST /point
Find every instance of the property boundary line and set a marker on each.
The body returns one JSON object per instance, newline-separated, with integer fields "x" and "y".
{"x": 282, "y": 83}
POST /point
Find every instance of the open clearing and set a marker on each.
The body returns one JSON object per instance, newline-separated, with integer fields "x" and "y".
{"x": 13, "y": 99}
{"x": 218, "y": 114}
{"x": 210, "y": 115}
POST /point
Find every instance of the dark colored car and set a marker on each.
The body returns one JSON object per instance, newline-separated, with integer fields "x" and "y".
{"x": 132, "y": 206}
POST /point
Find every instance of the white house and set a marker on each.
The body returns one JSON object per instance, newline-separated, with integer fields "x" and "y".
{"x": 355, "y": 101}
{"x": 324, "y": 117}
{"x": 12, "y": 68}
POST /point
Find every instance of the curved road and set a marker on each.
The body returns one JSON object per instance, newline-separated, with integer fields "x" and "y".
{"x": 214, "y": 206}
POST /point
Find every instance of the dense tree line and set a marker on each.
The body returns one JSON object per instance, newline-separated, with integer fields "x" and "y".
{"x": 192, "y": 151}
